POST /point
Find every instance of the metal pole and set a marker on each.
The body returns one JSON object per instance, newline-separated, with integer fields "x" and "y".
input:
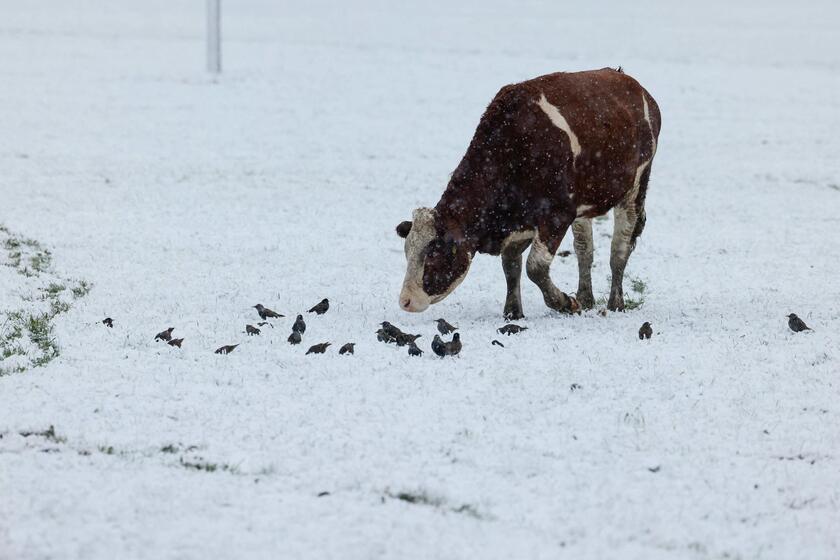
{"x": 214, "y": 36}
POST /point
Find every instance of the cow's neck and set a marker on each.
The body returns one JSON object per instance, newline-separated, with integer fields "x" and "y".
{"x": 463, "y": 212}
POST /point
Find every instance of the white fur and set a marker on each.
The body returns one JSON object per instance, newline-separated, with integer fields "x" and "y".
{"x": 560, "y": 122}
{"x": 622, "y": 232}
{"x": 422, "y": 232}
{"x": 583, "y": 209}
{"x": 647, "y": 118}
{"x": 637, "y": 180}
{"x": 539, "y": 254}
{"x": 516, "y": 237}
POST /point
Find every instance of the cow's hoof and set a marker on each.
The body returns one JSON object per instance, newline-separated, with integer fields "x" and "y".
{"x": 562, "y": 303}
{"x": 513, "y": 315}
{"x": 616, "y": 303}
{"x": 586, "y": 299}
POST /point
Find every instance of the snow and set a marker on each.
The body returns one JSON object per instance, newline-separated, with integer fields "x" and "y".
{"x": 185, "y": 200}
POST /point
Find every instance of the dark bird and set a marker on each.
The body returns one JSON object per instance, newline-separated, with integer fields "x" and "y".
{"x": 108, "y": 322}
{"x": 511, "y": 329}
{"x": 645, "y": 331}
{"x": 176, "y": 342}
{"x": 438, "y": 346}
{"x": 294, "y": 338}
{"x": 413, "y": 350}
{"x": 404, "y": 338}
{"x": 574, "y": 387}
{"x": 497, "y": 343}
{"x": 165, "y": 335}
{"x": 349, "y": 348}
{"x": 453, "y": 348}
{"x": 251, "y": 330}
{"x": 264, "y": 324}
{"x": 226, "y": 349}
{"x": 318, "y": 348}
{"x": 321, "y": 307}
{"x": 300, "y": 325}
{"x": 383, "y": 336}
{"x": 444, "y": 327}
{"x": 796, "y": 324}
{"x": 390, "y": 329}
{"x": 266, "y": 313}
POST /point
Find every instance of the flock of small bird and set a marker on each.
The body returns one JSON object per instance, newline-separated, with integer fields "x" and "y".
{"x": 389, "y": 333}
{"x": 298, "y": 328}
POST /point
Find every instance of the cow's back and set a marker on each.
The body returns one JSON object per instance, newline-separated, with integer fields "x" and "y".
{"x": 558, "y": 144}
{"x": 601, "y": 125}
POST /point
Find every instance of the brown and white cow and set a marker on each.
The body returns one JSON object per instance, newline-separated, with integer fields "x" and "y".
{"x": 549, "y": 153}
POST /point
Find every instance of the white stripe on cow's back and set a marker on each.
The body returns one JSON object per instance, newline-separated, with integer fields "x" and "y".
{"x": 558, "y": 120}
{"x": 647, "y": 119}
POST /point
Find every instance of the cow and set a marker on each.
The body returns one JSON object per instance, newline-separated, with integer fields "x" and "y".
{"x": 548, "y": 153}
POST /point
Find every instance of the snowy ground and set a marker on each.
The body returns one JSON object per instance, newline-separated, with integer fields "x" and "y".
{"x": 186, "y": 200}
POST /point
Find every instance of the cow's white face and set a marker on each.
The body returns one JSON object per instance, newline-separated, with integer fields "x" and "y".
{"x": 435, "y": 266}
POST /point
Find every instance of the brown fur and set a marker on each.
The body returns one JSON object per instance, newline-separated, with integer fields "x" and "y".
{"x": 520, "y": 174}
{"x": 517, "y": 173}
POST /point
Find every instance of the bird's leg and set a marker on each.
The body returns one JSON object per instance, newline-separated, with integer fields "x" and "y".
{"x": 512, "y": 266}
{"x": 538, "y": 266}
{"x": 584, "y": 249}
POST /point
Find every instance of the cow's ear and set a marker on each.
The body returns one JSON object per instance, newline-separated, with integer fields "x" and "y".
{"x": 403, "y": 229}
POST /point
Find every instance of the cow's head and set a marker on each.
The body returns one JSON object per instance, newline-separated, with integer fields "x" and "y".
{"x": 437, "y": 261}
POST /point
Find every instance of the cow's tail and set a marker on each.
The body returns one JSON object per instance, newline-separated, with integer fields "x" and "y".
{"x": 640, "y": 207}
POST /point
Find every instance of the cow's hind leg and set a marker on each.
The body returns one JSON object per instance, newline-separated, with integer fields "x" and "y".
{"x": 629, "y": 222}
{"x": 584, "y": 250}
{"x": 512, "y": 265}
{"x": 538, "y": 266}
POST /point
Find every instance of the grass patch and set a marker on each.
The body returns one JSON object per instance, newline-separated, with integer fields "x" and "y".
{"x": 14, "y": 259}
{"x": 81, "y": 289}
{"x": 199, "y": 464}
{"x": 418, "y": 498}
{"x": 638, "y": 285}
{"x": 48, "y": 434}
{"x": 39, "y": 346}
{"x": 57, "y": 307}
{"x": 40, "y": 333}
{"x": 41, "y": 260}
{"x": 630, "y": 303}
{"x": 424, "y": 499}
{"x": 53, "y": 290}
{"x": 26, "y": 255}
{"x": 9, "y": 350}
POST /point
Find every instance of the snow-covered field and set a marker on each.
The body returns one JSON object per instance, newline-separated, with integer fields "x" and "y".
{"x": 185, "y": 200}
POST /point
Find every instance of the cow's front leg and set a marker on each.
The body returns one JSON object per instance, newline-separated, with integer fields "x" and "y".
{"x": 512, "y": 265}
{"x": 538, "y": 266}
